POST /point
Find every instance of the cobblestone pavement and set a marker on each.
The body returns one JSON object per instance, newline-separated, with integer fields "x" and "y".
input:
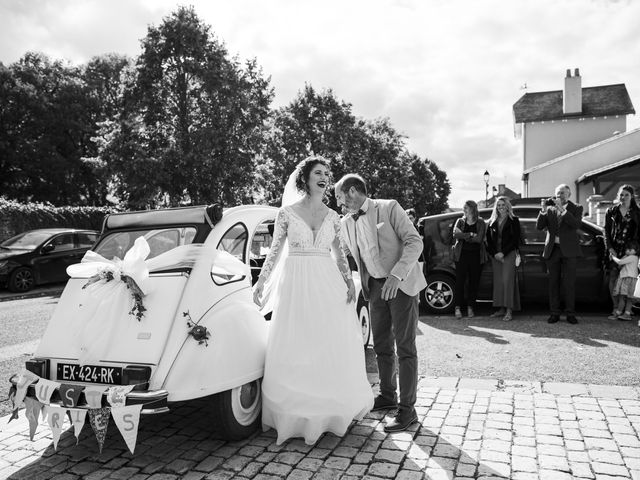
{"x": 468, "y": 429}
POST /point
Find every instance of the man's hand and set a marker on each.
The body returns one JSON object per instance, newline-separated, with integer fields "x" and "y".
{"x": 499, "y": 256}
{"x": 390, "y": 288}
{"x": 258, "y": 288}
{"x": 351, "y": 291}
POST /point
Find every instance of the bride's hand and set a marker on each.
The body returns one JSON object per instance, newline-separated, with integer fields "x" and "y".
{"x": 351, "y": 291}
{"x": 258, "y": 288}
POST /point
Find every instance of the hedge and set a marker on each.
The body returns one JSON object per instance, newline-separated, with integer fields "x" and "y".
{"x": 18, "y": 217}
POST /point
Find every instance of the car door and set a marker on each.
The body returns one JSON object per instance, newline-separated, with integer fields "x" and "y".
{"x": 532, "y": 273}
{"x": 589, "y": 267}
{"x": 56, "y": 255}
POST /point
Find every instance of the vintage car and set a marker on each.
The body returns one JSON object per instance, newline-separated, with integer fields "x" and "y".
{"x": 198, "y": 334}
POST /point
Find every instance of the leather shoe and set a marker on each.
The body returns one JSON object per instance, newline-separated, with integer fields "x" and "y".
{"x": 572, "y": 319}
{"x": 402, "y": 421}
{"x": 381, "y": 403}
{"x": 553, "y": 319}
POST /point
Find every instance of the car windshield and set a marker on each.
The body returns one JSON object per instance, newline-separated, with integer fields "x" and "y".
{"x": 26, "y": 241}
{"x": 117, "y": 244}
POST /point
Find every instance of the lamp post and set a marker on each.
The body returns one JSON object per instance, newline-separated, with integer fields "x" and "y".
{"x": 486, "y": 187}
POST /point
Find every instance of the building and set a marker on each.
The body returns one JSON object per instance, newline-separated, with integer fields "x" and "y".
{"x": 577, "y": 136}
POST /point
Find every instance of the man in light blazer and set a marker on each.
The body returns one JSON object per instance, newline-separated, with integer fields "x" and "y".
{"x": 561, "y": 247}
{"x": 386, "y": 246}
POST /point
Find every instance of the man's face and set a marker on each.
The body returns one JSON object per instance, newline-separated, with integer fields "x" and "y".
{"x": 348, "y": 199}
{"x": 563, "y": 194}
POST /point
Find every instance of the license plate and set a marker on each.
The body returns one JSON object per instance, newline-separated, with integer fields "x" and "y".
{"x": 90, "y": 373}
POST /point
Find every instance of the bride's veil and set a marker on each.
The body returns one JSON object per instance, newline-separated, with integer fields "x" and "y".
{"x": 290, "y": 195}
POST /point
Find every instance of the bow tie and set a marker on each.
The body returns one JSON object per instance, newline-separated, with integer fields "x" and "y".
{"x": 357, "y": 215}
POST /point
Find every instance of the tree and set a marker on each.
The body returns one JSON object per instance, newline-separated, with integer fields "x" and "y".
{"x": 192, "y": 121}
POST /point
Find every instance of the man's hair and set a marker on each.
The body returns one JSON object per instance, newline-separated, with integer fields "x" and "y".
{"x": 564, "y": 186}
{"x": 352, "y": 180}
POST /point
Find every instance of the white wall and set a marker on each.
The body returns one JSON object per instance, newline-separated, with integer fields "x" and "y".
{"x": 544, "y": 141}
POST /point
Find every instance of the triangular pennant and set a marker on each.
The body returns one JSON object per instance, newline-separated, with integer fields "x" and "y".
{"x": 93, "y": 395}
{"x": 55, "y": 418}
{"x": 44, "y": 388}
{"x": 69, "y": 394}
{"x": 25, "y": 379}
{"x": 32, "y": 412}
{"x": 127, "y": 419}
{"x": 77, "y": 416}
{"x": 117, "y": 395}
{"x": 99, "y": 419}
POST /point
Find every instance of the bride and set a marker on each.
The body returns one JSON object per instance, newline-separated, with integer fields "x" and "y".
{"x": 315, "y": 377}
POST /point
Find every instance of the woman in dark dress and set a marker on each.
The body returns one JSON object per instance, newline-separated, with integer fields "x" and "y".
{"x": 503, "y": 240}
{"x": 621, "y": 225}
{"x": 469, "y": 254}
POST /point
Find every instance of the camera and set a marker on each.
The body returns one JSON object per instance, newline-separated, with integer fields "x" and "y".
{"x": 550, "y": 202}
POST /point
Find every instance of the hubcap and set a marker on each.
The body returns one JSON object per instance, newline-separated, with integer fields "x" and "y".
{"x": 24, "y": 280}
{"x": 439, "y": 294}
{"x": 364, "y": 323}
{"x": 246, "y": 402}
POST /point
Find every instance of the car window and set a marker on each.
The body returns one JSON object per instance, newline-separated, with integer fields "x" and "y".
{"x": 62, "y": 242}
{"x": 234, "y": 241}
{"x": 117, "y": 244}
{"x": 260, "y": 246}
{"x": 86, "y": 240}
{"x": 530, "y": 234}
{"x": 445, "y": 229}
{"x": 162, "y": 241}
{"x": 27, "y": 240}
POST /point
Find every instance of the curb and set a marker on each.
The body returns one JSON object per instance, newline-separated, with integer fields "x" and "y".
{"x": 7, "y": 297}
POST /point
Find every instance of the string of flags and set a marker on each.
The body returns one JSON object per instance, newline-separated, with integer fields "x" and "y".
{"x": 126, "y": 417}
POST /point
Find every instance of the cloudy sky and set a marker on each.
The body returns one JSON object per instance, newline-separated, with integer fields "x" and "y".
{"x": 446, "y": 72}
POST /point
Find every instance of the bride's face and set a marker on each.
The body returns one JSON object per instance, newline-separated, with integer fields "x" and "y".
{"x": 318, "y": 179}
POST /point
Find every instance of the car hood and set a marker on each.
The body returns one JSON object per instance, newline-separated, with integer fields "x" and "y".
{"x": 4, "y": 254}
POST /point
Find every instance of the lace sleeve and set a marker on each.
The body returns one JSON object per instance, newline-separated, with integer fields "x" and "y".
{"x": 341, "y": 259}
{"x": 279, "y": 237}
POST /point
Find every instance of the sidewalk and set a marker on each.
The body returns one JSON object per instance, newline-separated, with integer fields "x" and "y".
{"x": 469, "y": 428}
{"x": 54, "y": 289}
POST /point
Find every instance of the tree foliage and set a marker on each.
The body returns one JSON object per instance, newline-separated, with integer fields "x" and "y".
{"x": 192, "y": 122}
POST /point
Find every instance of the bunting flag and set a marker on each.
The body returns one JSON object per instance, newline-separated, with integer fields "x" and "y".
{"x": 44, "y": 388}
{"x": 32, "y": 412}
{"x": 117, "y": 395}
{"x": 93, "y": 395}
{"x": 127, "y": 420}
{"x": 55, "y": 417}
{"x": 77, "y": 417}
{"x": 25, "y": 379}
{"x": 99, "y": 420}
{"x": 69, "y": 394}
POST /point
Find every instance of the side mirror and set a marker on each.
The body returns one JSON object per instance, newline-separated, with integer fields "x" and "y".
{"x": 49, "y": 247}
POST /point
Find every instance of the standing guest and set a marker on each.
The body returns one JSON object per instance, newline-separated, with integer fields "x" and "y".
{"x": 561, "y": 218}
{"x": 626, "y": 283}
{"x": 411, "y": 213}
{"x": 469, "y": 254}
{"x": 621, "y": 225}
{"x": 503, "y": 240}
{"x": 386, "y": 248}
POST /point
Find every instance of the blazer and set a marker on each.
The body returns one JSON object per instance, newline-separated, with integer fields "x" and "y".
{"x": 511, "y": 236}
{"x": 399, "y": 245}
{"x": 460, "y": 238}
{"x": 567, "y": 233}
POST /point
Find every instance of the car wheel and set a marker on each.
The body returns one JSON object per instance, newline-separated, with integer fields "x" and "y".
{"x": 21, "y": 280}
{"x": 236, "y": 412}
{"x": 439, "y": 294}
{"x": 365, "y": 321}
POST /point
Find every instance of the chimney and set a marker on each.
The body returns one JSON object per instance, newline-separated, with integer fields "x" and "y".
{"x": 572, "y": 94}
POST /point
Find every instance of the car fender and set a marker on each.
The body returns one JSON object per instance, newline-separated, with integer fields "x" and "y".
{"x": 233, "y": 355}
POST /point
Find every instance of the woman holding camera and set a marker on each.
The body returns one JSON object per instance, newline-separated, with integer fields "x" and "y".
{"x": 469, "y": 254}
{"x": 503, "y": 240}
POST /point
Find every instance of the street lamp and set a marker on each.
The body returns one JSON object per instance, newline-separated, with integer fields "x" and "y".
{"x": 486, "y": 187}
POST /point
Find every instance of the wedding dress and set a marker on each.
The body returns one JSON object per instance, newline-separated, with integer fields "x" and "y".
{"x": 315, "y": 377}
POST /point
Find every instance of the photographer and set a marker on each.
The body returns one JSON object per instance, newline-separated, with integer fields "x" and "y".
{"x": 561, "y": 218}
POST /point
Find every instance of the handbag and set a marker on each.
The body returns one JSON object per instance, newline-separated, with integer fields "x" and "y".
{"x": 518, "y": 259}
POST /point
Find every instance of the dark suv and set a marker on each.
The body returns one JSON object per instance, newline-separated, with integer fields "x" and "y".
{"x": 439, "y": 267}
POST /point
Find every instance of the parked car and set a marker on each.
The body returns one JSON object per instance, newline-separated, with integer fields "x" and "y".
{"x": 42, "y": 256}
{"x": 439, "y": 267}
{"x": 200, "y": 335}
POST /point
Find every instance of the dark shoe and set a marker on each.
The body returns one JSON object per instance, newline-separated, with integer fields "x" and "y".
{"x": 572, "y": 319}
{"x": 553, "y": 319}
{"x": 401, "y": 422}
{"x": 381, "y": 403}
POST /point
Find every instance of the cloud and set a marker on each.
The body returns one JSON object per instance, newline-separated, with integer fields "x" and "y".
{"x": 446, "y": 73}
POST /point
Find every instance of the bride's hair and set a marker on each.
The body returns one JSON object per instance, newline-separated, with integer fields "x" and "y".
{"x": 304, "y": 171}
